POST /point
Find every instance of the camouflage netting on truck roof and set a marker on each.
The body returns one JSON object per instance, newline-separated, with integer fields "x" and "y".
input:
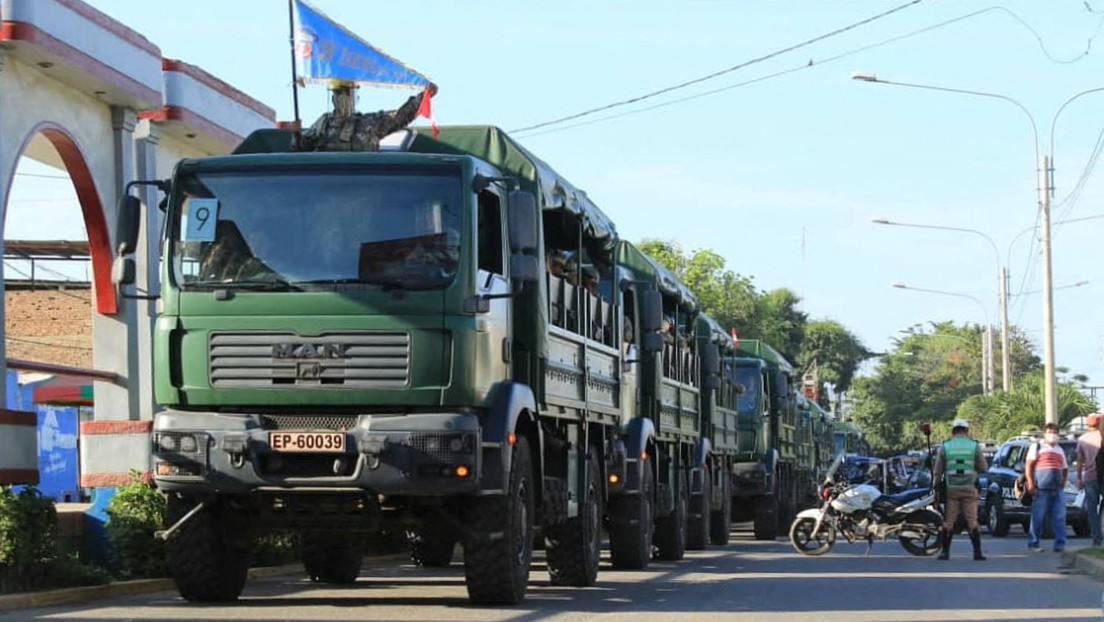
{"x": 553, "y": 192}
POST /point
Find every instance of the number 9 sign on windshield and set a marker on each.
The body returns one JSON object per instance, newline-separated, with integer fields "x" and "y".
{"x": 200, "y": 220}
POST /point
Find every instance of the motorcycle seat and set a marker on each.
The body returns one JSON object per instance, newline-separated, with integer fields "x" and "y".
{"x": 904, "y": 497}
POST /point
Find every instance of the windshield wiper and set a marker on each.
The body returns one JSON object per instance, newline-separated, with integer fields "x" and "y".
{"x": 253, "y": 284}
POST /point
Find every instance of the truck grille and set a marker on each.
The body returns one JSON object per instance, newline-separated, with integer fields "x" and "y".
{"x": 340, "y": 423}
{"x": 331, "y": 360}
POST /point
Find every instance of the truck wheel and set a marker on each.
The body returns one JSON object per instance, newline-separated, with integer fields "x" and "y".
{"x": 997, "y": 522}
{"x": 205, "y": 562}
{"x": 671, "y": 529}
{"x": 499, "y": 547}
{"x": 701, "y": 507}
{"x": 431, "y": 548}
{"x": 721, "y": 518}
{"x": 574, "y": 547}
{"x": 766, "y": 517}
{"x": 631, "y": 526}
{"x": 331, "y": 557}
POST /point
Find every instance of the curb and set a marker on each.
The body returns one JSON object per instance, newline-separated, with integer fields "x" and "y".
{"x": 70, "y": 595}
{"x": 1091, "y": 566}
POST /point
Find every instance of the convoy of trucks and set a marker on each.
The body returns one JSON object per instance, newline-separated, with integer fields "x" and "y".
{"x": 448, "y": 339}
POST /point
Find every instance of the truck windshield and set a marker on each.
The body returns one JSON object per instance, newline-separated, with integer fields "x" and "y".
{"x": 307, "y": 230}
{"x": 751, "y": 381}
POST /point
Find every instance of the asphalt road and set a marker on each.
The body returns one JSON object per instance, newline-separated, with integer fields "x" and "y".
{"x": 745, "y": 581}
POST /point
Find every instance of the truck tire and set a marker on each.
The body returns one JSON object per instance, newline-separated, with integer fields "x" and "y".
{"x": 701, "y": 507}
{"x": 766, "y": 517}
{"x": 207, "y": 565}
{"x": 498, "y": 548}
{"x": 632, "y": 526}
{"x": 431, "y": 548}
{"x": 331, "y": 557}
{"x": 720, "y": 520}
{"x": 671, "y": 529}
{"x": 575, "y": 546}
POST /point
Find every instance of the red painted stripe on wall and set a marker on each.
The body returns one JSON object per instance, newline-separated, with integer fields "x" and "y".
{"x": 106, "y": 480}
{"x": 89, "y": 428}
{"x": 19, "y": 476}
{"x": 18, "y": 417}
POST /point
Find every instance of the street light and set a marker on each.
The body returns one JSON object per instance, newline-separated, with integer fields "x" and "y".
{"x": 1039, "y": 291}
{"x": 1043, "y": 173}
{"x": 987, "y": 336}
{"x": 1002, "y": 290}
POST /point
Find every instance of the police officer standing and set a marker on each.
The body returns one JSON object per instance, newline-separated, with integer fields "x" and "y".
{"x": 957, "y": 465}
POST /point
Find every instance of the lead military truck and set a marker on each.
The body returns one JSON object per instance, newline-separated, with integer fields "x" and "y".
{"x": 350, "y": 342}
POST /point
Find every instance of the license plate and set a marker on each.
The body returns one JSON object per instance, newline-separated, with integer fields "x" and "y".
{"x": 307, "y": 442}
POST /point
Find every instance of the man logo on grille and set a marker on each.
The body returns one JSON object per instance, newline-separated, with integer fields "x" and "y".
{"x": 308, "y": 351}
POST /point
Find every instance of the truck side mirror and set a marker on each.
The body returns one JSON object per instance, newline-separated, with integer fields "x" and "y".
{"x": 651, "y": 342}
{"x": 122, "y": 271}
{"x": 711, "y": 359}
{"x": 127, "y": 223}
{"x": 524, "y": 268}
{"x": 524, "y": 220}
{"x": 651, "y": 311}
{"x": 711, "y": 383}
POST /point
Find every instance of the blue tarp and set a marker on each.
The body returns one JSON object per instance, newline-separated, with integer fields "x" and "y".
{"x": 325, "y": 50}
{"x": 58, "y": 461}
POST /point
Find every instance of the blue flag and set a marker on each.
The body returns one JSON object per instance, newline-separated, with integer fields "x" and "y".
{"x": 325, "y": 50}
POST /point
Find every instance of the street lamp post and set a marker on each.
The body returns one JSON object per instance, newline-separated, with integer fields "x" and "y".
{"x": 1044, "y": 173}
{"x": 986, "y": 336}
{"x": 1002, "y": 297}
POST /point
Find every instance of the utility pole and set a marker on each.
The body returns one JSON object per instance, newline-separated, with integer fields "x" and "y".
{"x": 990, "y": 371}
{"x": 1051, "y": 389}
{"x": 1006, "y": 355}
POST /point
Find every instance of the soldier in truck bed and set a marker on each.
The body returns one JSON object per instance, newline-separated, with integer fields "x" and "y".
{"x": 344, "y": 129}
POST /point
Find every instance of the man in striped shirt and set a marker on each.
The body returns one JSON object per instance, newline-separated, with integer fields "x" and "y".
{"x": 1046, "y": 472}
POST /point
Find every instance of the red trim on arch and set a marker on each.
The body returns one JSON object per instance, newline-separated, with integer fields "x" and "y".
{"x": 90, "y": 428}
{"x": 29, "y": 33}
{"x": 99, "y": 242}
{"x": 28, "y": 477}
{"x": 213, "y": 83}
{"x": 193, "y": 121}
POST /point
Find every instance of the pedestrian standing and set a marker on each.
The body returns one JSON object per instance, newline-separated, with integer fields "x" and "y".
{"x": 957, "y": 464}
{"x": 1088, "y": 446}
{"x": 1047, "y": 472}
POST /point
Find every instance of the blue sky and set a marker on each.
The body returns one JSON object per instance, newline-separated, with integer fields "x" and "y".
{"x": 751, "y": 171}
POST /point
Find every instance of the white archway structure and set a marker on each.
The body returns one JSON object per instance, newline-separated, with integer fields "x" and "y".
{"x": 84, "y": 93}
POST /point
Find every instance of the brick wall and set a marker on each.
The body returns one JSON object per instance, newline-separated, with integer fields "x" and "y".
{"x": 49, "y": 325}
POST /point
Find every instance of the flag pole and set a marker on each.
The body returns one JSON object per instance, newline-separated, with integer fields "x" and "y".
{"x": 294, "y": 72}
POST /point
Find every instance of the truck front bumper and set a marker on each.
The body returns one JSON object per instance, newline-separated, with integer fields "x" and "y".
{"x": 750, "y": 479}
{"x": 422, "y": 454}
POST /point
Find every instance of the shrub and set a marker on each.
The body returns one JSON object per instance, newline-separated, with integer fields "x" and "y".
{"x": 28, "y": 538}
{"x": 134, "y": 513}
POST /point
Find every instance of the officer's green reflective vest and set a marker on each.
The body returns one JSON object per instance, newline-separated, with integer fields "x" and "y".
{"x": 961, "y": 454}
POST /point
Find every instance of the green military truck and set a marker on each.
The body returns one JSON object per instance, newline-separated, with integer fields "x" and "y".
{"x": 771, "y": 469}
{"x": 672, "y": 475}
{"x": 437, "y": 338}
{"x": 719, "y": 424}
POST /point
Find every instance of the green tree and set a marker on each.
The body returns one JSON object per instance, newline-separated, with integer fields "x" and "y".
{"x": 779, "y": 322}
{"x": 1001, "y": 415}
{"x": 836, "y": 352}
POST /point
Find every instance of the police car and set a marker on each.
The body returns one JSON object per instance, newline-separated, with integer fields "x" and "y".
{"x": 998, "y": 506}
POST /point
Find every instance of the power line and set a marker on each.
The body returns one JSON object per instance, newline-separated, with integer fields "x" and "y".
{"x": 722, "y": 72}
{"x": 42, "y": 176}
{"x": 59, "y": 289}
{"x": 47, "y": 344}
{"x": 802, "y": 67}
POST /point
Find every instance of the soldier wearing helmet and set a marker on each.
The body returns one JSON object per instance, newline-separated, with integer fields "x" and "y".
{"x": 957, "y": 465}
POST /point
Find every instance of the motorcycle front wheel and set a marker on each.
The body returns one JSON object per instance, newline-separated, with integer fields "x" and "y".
{"x": 920, "y": 535}
{"x": 801, "y": 536}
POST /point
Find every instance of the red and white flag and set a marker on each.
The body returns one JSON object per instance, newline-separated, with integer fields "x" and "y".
{"x": 426, "y": 110}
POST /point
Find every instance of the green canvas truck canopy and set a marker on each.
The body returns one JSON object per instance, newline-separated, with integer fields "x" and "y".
{"x": 711, "y": 331}
{"x": 645, "y": 268}
{"x": 492, "y": 145}
{"x": 758, "y": 349}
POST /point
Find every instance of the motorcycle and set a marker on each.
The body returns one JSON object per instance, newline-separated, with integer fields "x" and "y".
{"x": 862, "y": 512}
